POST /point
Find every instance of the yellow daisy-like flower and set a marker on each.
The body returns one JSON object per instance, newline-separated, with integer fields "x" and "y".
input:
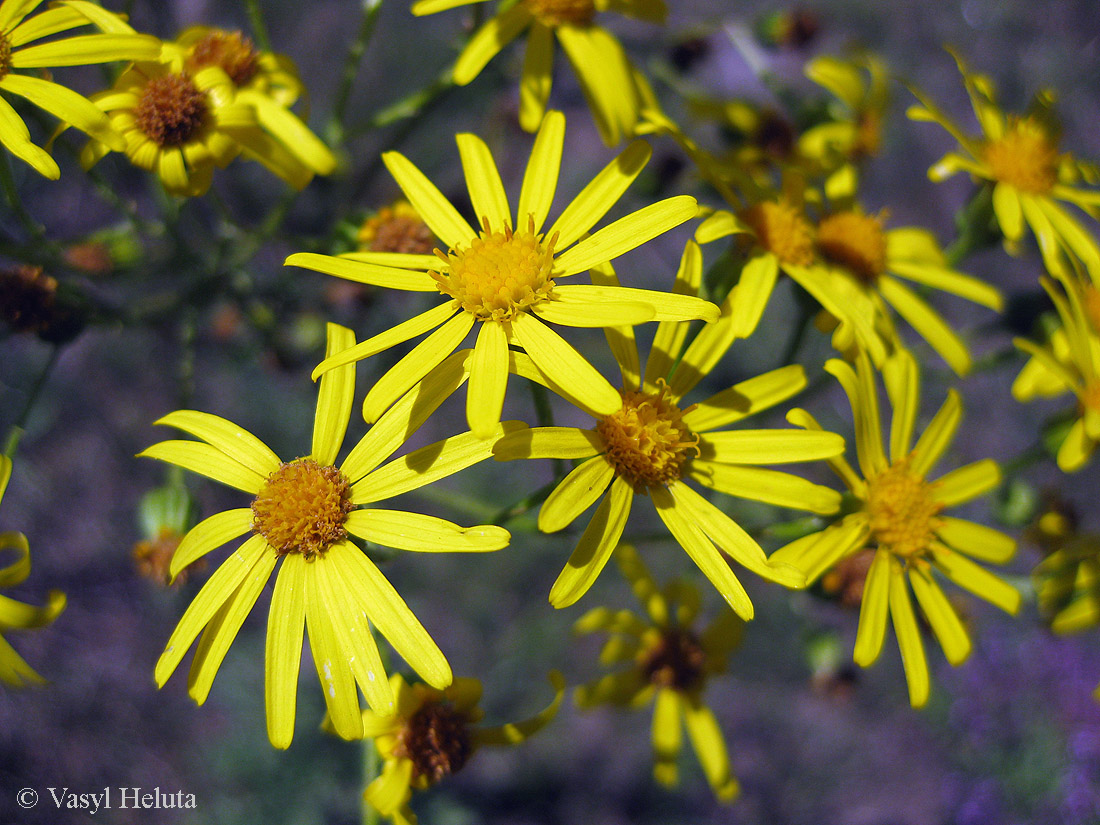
{"x": 776, "y": 235}
{"x": 599, "y": 61}
{"x": 872, "y": 260}
{"x": 652, "y": 444}
{"x": 900, "y": 517}
{"x": 303, "y": 512}
{"x": 861, "y": 86}
{"x": 17, "y": 30}
{"x": 16, "y": 615}
{"x": 504, "y": 277}
{"x": 432, "y": 734}
{"x": 1070, "y": 364}
{"x": 669, "y": 663}
{"x": 1019, "y": 157}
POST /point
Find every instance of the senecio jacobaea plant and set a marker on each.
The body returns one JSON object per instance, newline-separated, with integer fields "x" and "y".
{"x": 484, "y": 298}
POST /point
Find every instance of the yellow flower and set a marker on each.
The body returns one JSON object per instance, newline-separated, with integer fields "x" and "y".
{"x": 652, "y": 444}
{"x": 1019, "y": 157}
{"x": 861, "y": 86}
{"x": 432, "y": 734}
{"x": 900, "y": 517}
{"x": 1071, "y": 363}
{"x": 303, "y": 512}
{"x": 396, "y": 228}
{"x": 601, "y": 65}
{"x": 504, "y": 277}
{"x": 16, "y": 615}
{"x": 16, "y": 31}
{"x": 669, "y": 663}
{"x": 872, "y": 259}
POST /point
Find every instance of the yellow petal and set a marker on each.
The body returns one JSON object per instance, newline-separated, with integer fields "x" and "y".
{"x": 286, "y": 624}
{"x": 483, "y": 182}
{"x": 769, "y": 446}
{"x": 576, "y": 493}
{"x": 976, "y": 540}
{"x": 579, "y": 309}
{"x": 15, "y": 137}
{"x": 488, "y": 379}
{"x": 436, "y": 211}
{"x": 976, "y": 579}
{"x": 1006, "y": 206}
{"x": 927, "y": 322}
{"x": 860, "y": 389}
{"x": 424, "y": 534}
{"x": 334, "y": 399}
{"x": 422, "y": 7}
{"x": 237, "y": 443}
{"x": 966, "y": 483}
{"x": 670, "y": 337}
{"x": 595, "y": 545}
{"x": 872, "y": 613}
{"x": 768, "y": 486}
{"x": 746, "y": 398}
{"x": 902, "y": 379}
{"x": 626, "y": 234}
{"x": 664, "y": 306}
{"x": 938, "y": 435}
{"x": 754, "y": 288}
{"x": 540, "y": 179}
{"x": 208, "y": 535}
{"x": 710, "y": 747}
{"x": 208, "y": 461}
{"x": 536, "y": 80}
{"x": 604, "y": 74}
{"x": 329, "y": 658}
{"x": 363, "y": 272}
{"x": 66, "y": 105}
{"x": 498, "y": 32}
{"x": 667, "y": 732}
{"x": 549, "y": 442}
{"x": 941, "y": 616}
{"x": 909, "y": 641}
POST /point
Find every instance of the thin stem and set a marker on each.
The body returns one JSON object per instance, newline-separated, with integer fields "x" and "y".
{"x": 259, "y": 27}
{"x": 15, "y": 433}
{"x": 525, "y": 504}
{"x": 336, "y": 128}
{"x": 372, "y": 766}
{"x": 7, "y": 181}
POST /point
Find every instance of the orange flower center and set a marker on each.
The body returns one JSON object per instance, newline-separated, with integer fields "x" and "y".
{"x": 396, "y": 228}
{"x": 1090, "y": 398}
{"x": 1024, "y": 156}
{"x": 677, "y": 660}
{"x": 1092, "y": 307}
{"x": 499, "y": 274}
{"x": 782, "y": 230}
{"x": 647, "y": 443}
{"x": 902, "y": 510}
{"x": 232, "y": 51}
{"x": 855, "y": 241}
{"x": 5, "y": 55}
{"x": 554, "y": 13}
{"x": 171, "y": 110}
{"x": 436, "y": 739}
{"x": 302, "y": 508}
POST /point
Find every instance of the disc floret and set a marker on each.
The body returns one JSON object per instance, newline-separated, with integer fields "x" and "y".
{"x": 302, "y": 508}
{"x": 436, "y": 739}
{"x": 903, "y": 512}
{"x": 555, "y": 13}
{"x": 647, "y": 442}
{"x": 855, "y": 241}
{"x": 1024, "y": 156}
{"x": 782, "y": 230}
{"x": 172, "y": 110}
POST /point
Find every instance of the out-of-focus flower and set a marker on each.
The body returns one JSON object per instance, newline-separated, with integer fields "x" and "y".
{"x": 17, "y": 615}
{"x": 668, "y": 662}
{"x": 17, "y": 31}
{"x": 1070, "y": 363}
{"x": 899, "y": 516}
{"x": 504, "y": 276}
{"x": 873, "y": 260}
{"x": 652, "y": 444}
{"x": 861, "y": 86}
{"x": 32, "y": 301}
{"x": 396, "y": 228}
{"x": 432, "y": 734}
{"x": 166, "y": 514}
{"x": 1018, "y": 156}
{"x": 303, "y": 513}
{"x": 793, "y": 28}
{"x": 598, "y": 58}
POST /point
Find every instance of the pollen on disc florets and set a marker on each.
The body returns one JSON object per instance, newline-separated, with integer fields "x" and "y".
{"x": 231, "y": 51}
{"x": 499, "y": 274}
{"x": 856, "y": 241}
{"x": 675, "y": 659}
{"x": 1024, "y": 156}
{"x": 396, "y": 228}
{"x": 562, "y": 12}
{"x": 5, "y": 55}
{"x": 171, "y": 110}
{"x": 647, "y": 443}
{"x": 782, "y": 230}
{"x": 302, "y": 508}
{"x": 904, "y": 515}
{"x": 436, "y": 739}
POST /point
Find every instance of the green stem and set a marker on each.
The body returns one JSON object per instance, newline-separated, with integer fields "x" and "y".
{"x": 372, "y": 767}
{"x": 336, "y": 127}
{"x": 974, "y": 225}
{"x": 15, "y": 433}
{"x": 525, "y": 504}
{"x": 259, "y": 27}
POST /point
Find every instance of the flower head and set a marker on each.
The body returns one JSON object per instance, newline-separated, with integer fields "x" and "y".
{"x": 303, "y": 515}
{"x": 433, "y": 733}
{"x": 16, "y": 615}
{"x": 1069, "y": 364}
{"x": 653, "y": 444}
{"x": 598, "y": 58}
{"x": 900, "y": 516}
{"x": 668, "y": 661}
{"x": 18, "y": 30}
{"x": 1018, "y": 157}
{"x": 505, "y": 276}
